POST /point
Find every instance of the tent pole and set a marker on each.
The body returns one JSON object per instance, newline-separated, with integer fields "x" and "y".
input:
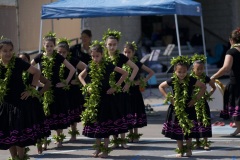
{"x": 177, "y": 32}
{"x": 40, "y": 39}
{"x": 204, "y": 45}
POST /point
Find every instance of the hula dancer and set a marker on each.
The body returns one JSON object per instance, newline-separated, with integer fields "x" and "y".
{"x": 135, "y": 96}
{"x": 205, "y": 131}
{"x": 20, "y": 123}
{"x": 97, "y": 117}
{"x": 232, "y": 89}
{"x": 120, "y": 100}
{"x": 181, "y": 122}
{"x": 55, "y": 100}
{"x": 76, "y": 99}
{"x": 44, "y": 84}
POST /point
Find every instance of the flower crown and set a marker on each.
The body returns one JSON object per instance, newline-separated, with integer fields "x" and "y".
{"x": 50, "y": 34}
{"x": 133, "y": 44}
{"x": 113, "y": 33}
{"x": 198, "y": 57}
{"x": 63, "y": 40}
{"x": 180, "y": 59}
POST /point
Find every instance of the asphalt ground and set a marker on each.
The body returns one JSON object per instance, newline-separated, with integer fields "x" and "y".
{"x": 152, "y": 145}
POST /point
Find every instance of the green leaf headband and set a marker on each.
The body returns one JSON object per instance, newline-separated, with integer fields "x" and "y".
{"x": 198, "y": 57}
{"x": 96, "y": 42}
{"x": 113, "y": 33}
{"x": 133, "y": 44}
{"x": 180, "y": 59}
{"x": 63, "y": 40}
{"x": 50, "y": 34}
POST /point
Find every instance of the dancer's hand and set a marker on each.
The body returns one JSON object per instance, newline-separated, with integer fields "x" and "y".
{"x": 126, "y": 87}
{"x": 191, "y": 103}
{"x": 111, "y": 91}
{"x": 25, "y": 95}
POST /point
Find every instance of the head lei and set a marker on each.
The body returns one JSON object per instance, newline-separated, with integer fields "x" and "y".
{"x": 50, "y": 34}
{"x": 180, "y": 59}
{"x": 113, "y": 33}
{"x": 133, "y": 44}
{"x": 198, "y": 57}
{"x": 96, "y": 42}
{"x": 63, "y": 40}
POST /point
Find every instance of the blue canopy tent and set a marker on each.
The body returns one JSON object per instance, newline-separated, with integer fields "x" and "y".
{"x": 108, "y": 8}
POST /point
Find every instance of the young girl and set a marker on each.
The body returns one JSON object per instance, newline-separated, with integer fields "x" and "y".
{"x": 20, "y": 125}
{"x": 97, "y": 117}
{"x": 120, "y": 100}
{"x": 55, "y": 99}
{"x": 198, "y": 73}
{"x": 44, "y": 84}
{"x": 181, "y": 122}
{"x": 76, "y": 99}
{"x": 136, "y": 99}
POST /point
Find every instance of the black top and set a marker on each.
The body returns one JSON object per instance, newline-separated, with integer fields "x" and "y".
{"x": 58, "y": 61}
{"x": 191, "y": 84}
{"x": 234, "y": 74}
{"x": 15, "y": 85}
{"x": 139, "y": 64}
{"x": 109, "y": 68}
{"x": 77, "y": 53}
{"x": 120, "y": 61}
{"x": 74, "y": 62}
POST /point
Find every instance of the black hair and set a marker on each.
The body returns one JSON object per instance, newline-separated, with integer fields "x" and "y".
{"x": 130, "y": 46}
{"x": 235, "y": 35}
{"x": 97, "y": 48}
{"x": 112, "y": 37}
{"x": 51, "y": 39}
{"x": 181, "y": 64}
{"x": 63, "y": 45}
{"x": 26, "y": 55}
{"x": 87, "y": 32}
{"x": 5, "y": 42}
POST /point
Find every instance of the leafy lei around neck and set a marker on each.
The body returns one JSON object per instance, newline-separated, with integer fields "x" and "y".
{"x": 93, "y": 98}
{"x": 114, "y": 60}
{"x": 180, "y": 98}
{"x": 129, "y": 70}
{"x": 62, "y": 72}
{"x": 4, "y": 82}
{"x": 200, "y": 104}
{"x": 48, "y": 63}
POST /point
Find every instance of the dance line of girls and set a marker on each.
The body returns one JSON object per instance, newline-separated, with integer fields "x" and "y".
{"x": 102, "y": 92}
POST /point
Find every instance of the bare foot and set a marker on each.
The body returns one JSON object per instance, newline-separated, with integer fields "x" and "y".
{"x": 189, "y": 153}
{"x": 72, "y": 139}
{"x": 59, "y": 144}
{"x": 95, "y": 154}
{"x": 234, "y": 133}
{"x": 136, "y": 140}
{"x": 44, "y": 147}
{"x": 114, "y": 146}
{"x": 40, "y": 149}
{"x": 104, "y": 155}
{"x": 125, "y": 146}
{"x": 179, "y": 155}
{"x": 207, "y": 148}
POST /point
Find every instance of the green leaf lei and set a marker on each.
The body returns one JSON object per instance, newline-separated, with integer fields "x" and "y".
{"x": 61, "y": 74}
{"x": 4, "y": 82}
{"x": 114, "y": 61}
{"x": 129, "y": 70}
{"x": 180, "y": 97}
{"x": 200, "y": 104}
{"x": 48, "y": 63}
{"x": 89, "y": 115}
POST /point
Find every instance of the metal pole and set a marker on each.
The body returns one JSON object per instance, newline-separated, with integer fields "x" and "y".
{"x": 18, "y": 28}
{"x": 203, "y": 39}
{"x": 40, "y": 37}
{"x": 177, "y": 32}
